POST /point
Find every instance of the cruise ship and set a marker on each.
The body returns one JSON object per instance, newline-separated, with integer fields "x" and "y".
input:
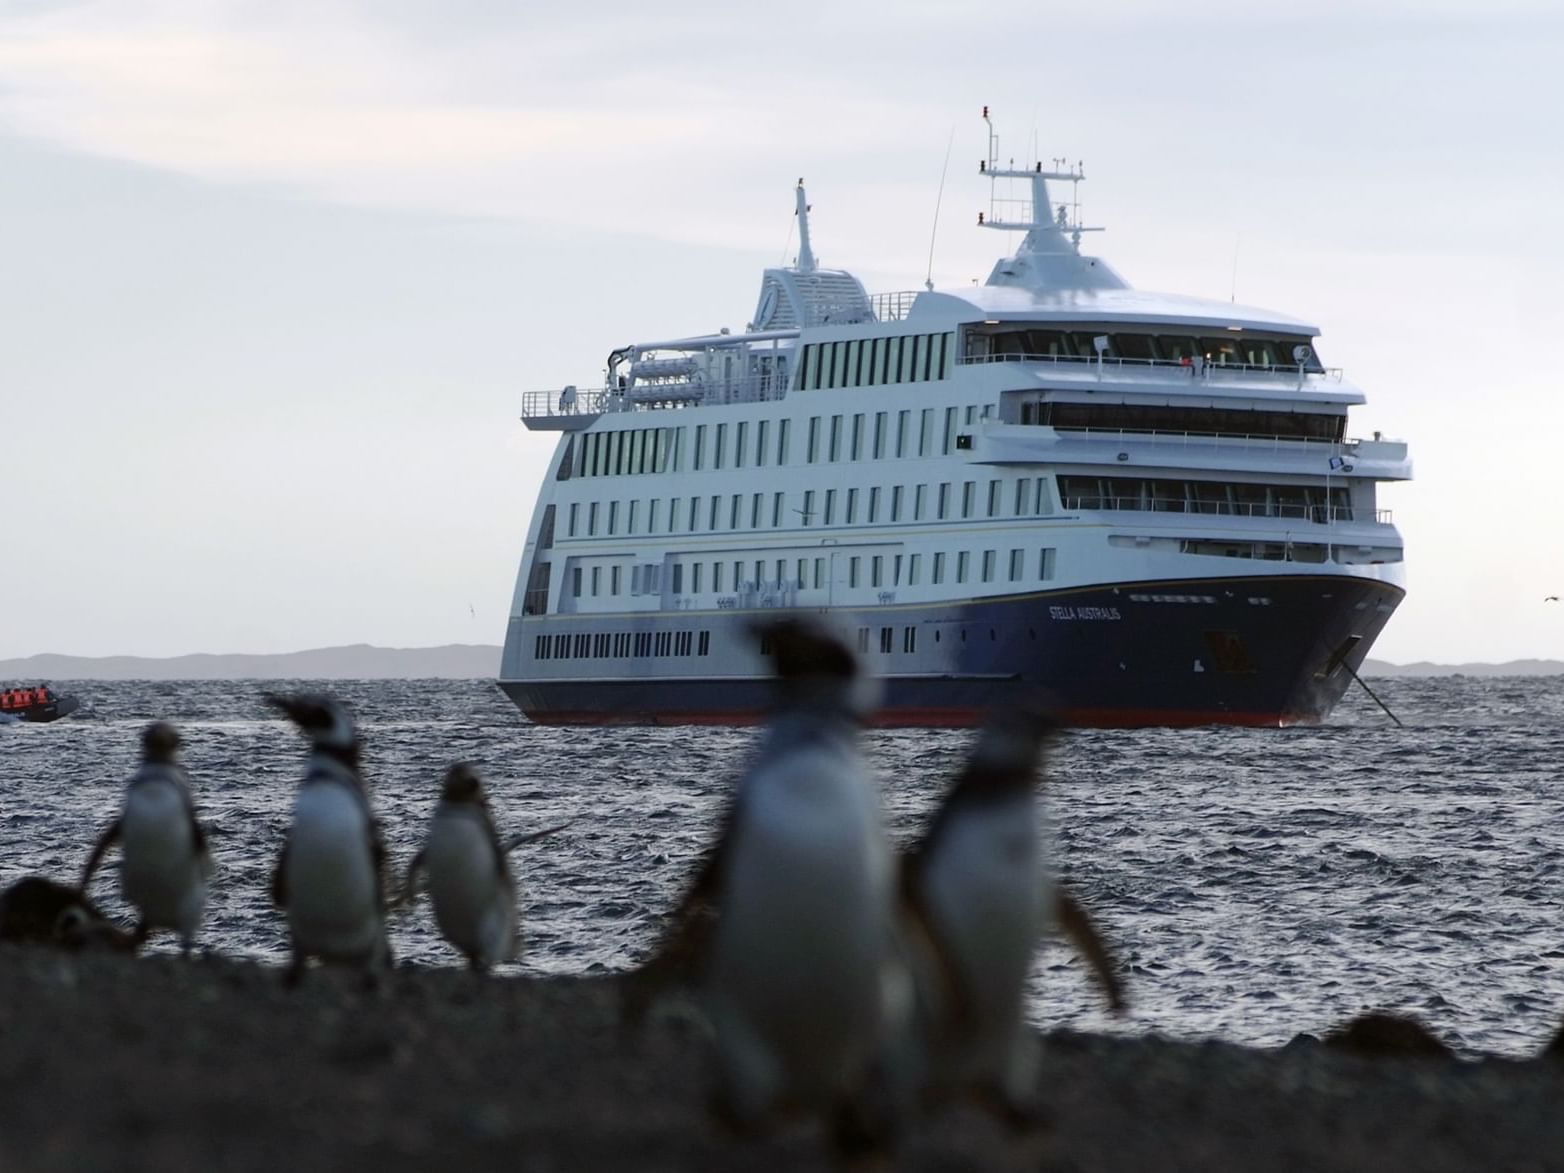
{"x": 1145, "y": 505}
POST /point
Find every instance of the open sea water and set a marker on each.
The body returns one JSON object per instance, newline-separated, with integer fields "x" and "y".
{"x": 1256, "y": 883}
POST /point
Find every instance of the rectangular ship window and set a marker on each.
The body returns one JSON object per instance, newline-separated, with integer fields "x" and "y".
{"x": 887, "y": 637}
{"x": 939, "y": 569}
{"x": 962, "y": 558}
{"x": 988, "y": 565}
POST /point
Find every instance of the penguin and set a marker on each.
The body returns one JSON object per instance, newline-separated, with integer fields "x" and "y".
{"x": 978, "y": 894}
{"x": 464, "y": 864}
{"x": 167, "y": 863}
{"x": 40, "y": 911}
{"x": 787, "y": 928}
{"x": 330, "y": 877}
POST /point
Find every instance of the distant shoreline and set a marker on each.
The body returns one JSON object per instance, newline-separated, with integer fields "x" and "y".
{"x": 467, "y": 662}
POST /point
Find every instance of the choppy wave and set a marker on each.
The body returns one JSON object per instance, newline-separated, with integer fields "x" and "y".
{"x": 1257, "y": 882}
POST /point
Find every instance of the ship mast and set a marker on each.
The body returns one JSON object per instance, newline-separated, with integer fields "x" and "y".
{"x": 1048, "y": 228}
{"x": 806, "y": 256}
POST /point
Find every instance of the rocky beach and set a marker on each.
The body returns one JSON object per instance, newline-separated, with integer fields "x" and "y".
{"x": 116, "y": 1063}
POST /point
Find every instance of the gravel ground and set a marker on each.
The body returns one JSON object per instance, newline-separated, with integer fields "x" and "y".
{"x": 109, "y": 1062}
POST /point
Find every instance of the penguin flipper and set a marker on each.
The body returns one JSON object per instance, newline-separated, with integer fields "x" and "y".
{"x": 280, "y": 879}
{"x": 411, "y": 885}
{"x": 99, "y": 849}
{"x": 686, "y": 938}
{"x": 1077, "y": 925}
{"x": 381, "y": 860}
{"x": 919, "y": 928}
{"x": 516, "y": 841}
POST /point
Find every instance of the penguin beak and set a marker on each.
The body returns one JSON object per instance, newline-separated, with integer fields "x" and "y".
{"x": 303, "y": 712}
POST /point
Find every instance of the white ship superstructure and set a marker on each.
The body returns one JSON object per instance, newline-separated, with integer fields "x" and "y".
{"x": 1147, "y": 504}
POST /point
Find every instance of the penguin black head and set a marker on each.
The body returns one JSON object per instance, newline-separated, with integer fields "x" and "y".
{"x": 462, "y": 784}
{"x": 159, "y": 741}
{"x": 814, "y": 666}
{"x": 1012, "y": 743}
{"x": 326, "y": 722}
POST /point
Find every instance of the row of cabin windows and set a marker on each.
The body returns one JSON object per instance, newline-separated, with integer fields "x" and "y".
{"x": 1170, "y": 496}
{"x": 1204, "y": 421}
{"x": 621, "y": 645}
{"x": 1231, "y": 348}
{"x": 628, "y": 451}
{"x": 763, "y": 575}
{"x": 874, "y": 505}
{"x": 879, "y": 435}
{"x": 887, "y": 643}
{"x": 871, "y": 362}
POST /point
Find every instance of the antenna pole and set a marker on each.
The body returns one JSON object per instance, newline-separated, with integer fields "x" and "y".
{"x": 806, "y": 256}
{"x": 928, "y": 279}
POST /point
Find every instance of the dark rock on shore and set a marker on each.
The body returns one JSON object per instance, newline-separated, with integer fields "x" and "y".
{"x": 1379, "y": 1033}
{"x": 108, "y": 1062}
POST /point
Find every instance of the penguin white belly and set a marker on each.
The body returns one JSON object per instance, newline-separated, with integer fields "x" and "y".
{"x": 801, "y": 943}
{"x": 161, "y": 873}
{"x": 473, "y": 905}
{"x": 333, "y": 891}
{"x": 985, "y": 889}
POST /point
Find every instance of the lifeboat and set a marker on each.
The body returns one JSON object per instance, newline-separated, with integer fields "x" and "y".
{"x": 36, "y": 704}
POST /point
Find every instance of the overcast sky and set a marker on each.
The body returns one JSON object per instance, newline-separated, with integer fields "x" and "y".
{"x": 274, "y": 275}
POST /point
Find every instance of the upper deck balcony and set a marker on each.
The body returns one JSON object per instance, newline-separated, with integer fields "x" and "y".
{"x": 572, "y": 409}
{"x": 1192, "y": 371}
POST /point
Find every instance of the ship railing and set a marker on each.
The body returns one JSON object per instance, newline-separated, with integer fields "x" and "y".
{"x": 652, "y": 396}
{"x": 1319, "y": 514}
{"x": 1276, "y": 441}
{"x": 1195, "y": 369}
{"x": 893, "y": 307}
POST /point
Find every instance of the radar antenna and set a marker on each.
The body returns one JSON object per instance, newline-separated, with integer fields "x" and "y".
{"x": 1035, "y": 215}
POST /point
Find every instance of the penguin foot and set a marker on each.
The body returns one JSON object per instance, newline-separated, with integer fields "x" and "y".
{"x": 1020, "y": 1114}
{"x": 862, "y": 1138}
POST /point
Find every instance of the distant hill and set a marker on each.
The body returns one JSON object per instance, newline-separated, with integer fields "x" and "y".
{"x": 1424, "y": 668}
{"x": 465, "y": 662}
{"x": 353, "y": 662}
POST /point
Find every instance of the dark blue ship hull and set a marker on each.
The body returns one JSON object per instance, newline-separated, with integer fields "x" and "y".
{"x": 1263, "y": 650}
